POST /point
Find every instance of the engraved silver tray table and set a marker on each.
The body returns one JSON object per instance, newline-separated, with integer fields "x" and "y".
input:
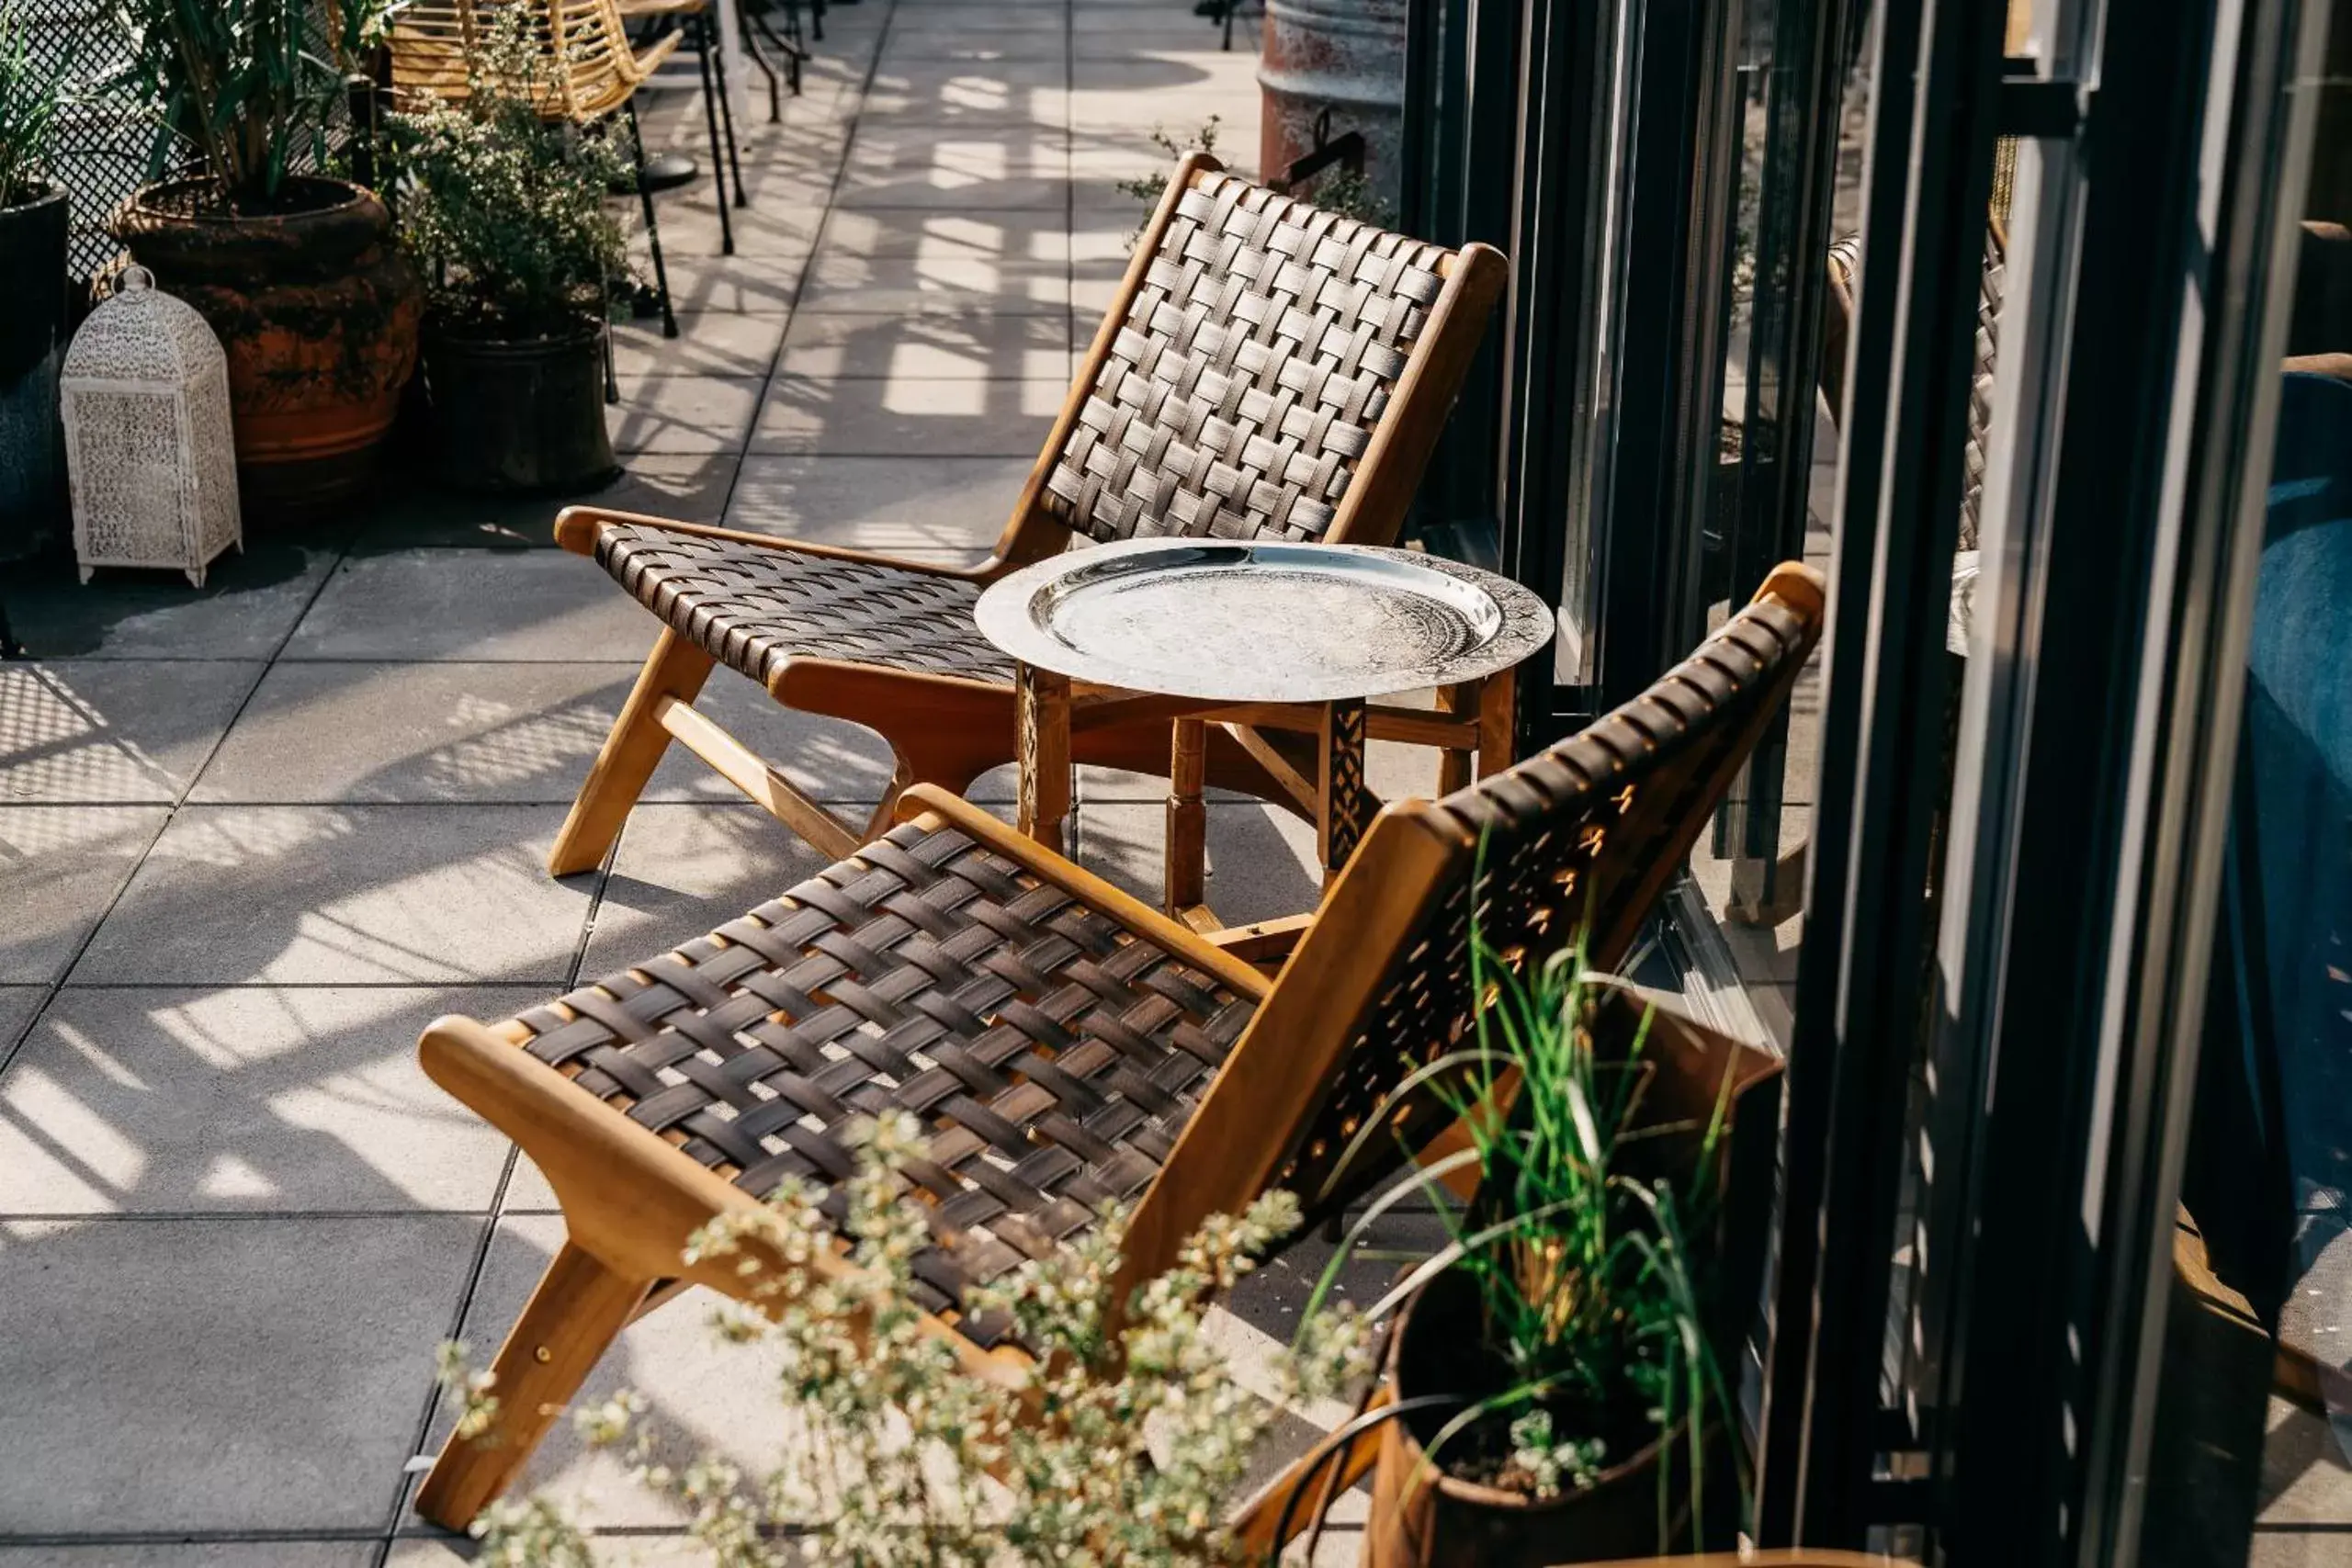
{"x": 1281, "y": 645}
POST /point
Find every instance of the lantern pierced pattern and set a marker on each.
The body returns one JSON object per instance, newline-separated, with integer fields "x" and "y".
{"x": 148, "y": 450}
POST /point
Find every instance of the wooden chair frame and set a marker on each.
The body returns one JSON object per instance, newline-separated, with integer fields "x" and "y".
{"x": 946, "y": 729}
{"x": 631, "y": 1198}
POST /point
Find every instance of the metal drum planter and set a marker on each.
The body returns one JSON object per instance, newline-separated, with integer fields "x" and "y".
{"x": 1343, "y": 56}
{"x": 150, "y": 457}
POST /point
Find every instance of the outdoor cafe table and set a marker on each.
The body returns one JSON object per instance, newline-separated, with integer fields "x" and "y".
{"x": 1283, "y": 646}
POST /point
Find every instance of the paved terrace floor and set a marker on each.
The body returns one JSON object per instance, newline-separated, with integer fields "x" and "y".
{"x": 253, "y": 838}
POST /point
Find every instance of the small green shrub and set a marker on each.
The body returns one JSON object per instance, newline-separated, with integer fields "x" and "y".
{"x": 1343, "y": 191}
{"x": 899, "y": 1460}
{"x": 504, "y": 210}
{"x": 245, "y": 85}
{"x": 31, "y": 96}
{"x": 1591, "y": 1297}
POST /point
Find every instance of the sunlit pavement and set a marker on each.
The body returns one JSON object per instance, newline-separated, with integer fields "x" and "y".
{"x": 253, "y": 838}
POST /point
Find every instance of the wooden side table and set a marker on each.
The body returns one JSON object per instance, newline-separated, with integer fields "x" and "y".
{"x": 1284, "y": 646}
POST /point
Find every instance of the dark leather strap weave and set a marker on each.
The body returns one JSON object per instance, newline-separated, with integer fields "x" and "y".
{"x": 754, "y": 608}
{"x": 1250, "y": 371}
{"x": 1053, "y": 1054}
{"x": 1580, "y": 837}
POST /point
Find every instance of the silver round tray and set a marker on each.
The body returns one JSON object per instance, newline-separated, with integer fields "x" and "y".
{"x": 1245, "y": 622}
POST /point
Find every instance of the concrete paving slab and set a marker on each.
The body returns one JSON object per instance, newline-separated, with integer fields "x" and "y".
{"x": 418, "y": 732}
{"x": 902, "y": 415}
{"x": 907, "y": 285}
{"x": 896, "y": 232}
{"x": 217, "y": 1373}
{"x": 897, "y": 505}
{"x": 709, "y": 343}
{"x": 683, "y": 413}
{"x": 473, "y": 604}
{"x": 18, "y": 1005}
{"x": 117, "y": 731}
{"x": 688, "y": 487}
{"x": 231, "y": 1553}
{"x": 248, "y": 1098}
{"x": 355, "y": 894}
{"x": 249, "y": 600}
{"x": 61, "y": 866}
{"x": 991, "y": 346}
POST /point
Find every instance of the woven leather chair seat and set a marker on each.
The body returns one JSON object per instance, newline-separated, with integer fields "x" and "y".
{"x": 754, "y": 608}
{"x": 1053, "y": 1054}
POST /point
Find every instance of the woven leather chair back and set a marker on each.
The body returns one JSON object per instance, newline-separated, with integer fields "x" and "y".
{"x": 584, "y": 68}
{"x": 1246, "y": 387}
{"x": 1579, "y": 838}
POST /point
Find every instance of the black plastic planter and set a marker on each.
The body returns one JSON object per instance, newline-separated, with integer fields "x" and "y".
{"x": 32, "y": 347}
{"x": 521, "y": 417}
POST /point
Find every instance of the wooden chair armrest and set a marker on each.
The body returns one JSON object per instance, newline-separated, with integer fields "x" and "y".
{"x": 576, "y": 528}
{"x": 924, "y": 800}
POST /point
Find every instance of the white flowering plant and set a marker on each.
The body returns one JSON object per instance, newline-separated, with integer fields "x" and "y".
{"x": 1122, "y": 1442}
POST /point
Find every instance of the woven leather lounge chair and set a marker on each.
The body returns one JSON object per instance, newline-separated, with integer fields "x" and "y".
{"x": 1266, "y": 370}
{"x": 1065, "y": 1044}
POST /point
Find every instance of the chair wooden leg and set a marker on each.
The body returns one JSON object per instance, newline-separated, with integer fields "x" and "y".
{"x": 900, "y": 777}
{"x": 574, "y": 1315}
{"x": 676, "y": 668}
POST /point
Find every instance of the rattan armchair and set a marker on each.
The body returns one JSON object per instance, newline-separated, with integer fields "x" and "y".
{"x": 1265, "y": 370}
{"x": 1065, "y": 1045}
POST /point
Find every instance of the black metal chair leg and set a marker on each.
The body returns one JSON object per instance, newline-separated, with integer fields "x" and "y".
{"x": 612, "y": 380}
{"x": 788, "y": 45}
{"x": 816, "y": 20}
{"x": 752, "y": 49}
{"x": 706, "y": 34}
{"x": 726, "y": 100}
{"x": 652, "y": 226}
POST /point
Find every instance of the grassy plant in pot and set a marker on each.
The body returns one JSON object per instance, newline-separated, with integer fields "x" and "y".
{"x": 32, "y": 281}
{"x": 1557, "y": 1369}
{"x": 294, "y": 271}
{"x": 505, "y": 212}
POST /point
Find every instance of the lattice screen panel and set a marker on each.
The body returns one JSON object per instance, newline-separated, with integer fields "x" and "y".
{"x": 104, "y": 147}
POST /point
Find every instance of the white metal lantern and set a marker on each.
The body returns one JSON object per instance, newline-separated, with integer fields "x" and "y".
{"x": 148, "y": 447}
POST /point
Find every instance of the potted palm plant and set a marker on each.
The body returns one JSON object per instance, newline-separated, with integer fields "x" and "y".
{"x": 293, "y": 270}
{"x": 1557, "y": 1373}
{"x": 32, "y": 279}
{"x": 505, "y": 212}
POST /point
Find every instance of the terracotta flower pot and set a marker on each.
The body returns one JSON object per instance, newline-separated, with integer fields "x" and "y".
{"x": 1424, "y": 1517}
{"x": 32, "y": 346}
{"x": 317, "y": 311}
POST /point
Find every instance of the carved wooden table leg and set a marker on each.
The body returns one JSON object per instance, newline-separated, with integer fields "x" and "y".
{"x": 1498, "y": 721}
{"x": 1342, "y": 805}
{"x": 1041, "y": 718}
{"x": 1185, "y": 866}
{"x": 1452, "y": 766}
